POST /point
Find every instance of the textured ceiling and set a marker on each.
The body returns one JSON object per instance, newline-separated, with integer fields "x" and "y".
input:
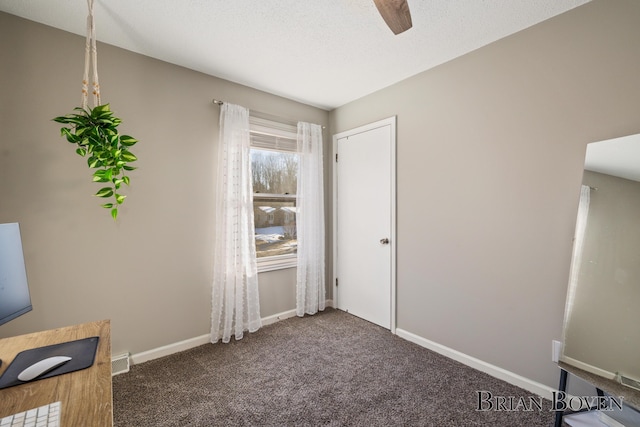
{"x": 321, "y": 52}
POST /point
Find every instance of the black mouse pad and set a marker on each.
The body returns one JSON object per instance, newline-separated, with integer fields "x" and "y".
{"x": 82, "y": 353}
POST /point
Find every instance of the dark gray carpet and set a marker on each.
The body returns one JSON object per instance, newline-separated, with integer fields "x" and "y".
{"x": 330, "y": 369}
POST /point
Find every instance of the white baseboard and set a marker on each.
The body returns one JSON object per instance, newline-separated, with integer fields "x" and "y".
{"x": 495, "y": 371}
{"x": 168, "y": 349}
{"x": 278, "y": 317}
{"x": 287, "y": 314}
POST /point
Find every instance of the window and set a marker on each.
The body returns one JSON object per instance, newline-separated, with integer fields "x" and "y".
{"x": 274, "y": 168}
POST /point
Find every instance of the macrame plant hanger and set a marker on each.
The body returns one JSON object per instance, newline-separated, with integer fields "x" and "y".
{"x": 94, "y": 131}
{"x": 90, "y": 61}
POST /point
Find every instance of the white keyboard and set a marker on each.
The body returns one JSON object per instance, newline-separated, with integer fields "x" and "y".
{"x": 44, "y": 416}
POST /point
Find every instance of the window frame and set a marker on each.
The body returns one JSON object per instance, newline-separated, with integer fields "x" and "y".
{"x": 268, "y": 134}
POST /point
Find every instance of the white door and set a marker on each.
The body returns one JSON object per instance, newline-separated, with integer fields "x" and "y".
{"x": 364, "y": 222}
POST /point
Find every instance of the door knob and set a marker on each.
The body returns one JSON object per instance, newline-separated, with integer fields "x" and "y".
{"x": 384, "y": 241}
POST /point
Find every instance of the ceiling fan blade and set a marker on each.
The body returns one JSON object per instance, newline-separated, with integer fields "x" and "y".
{"x": 395, "y": 13}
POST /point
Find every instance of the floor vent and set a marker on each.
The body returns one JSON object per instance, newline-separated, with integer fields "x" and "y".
{"x": 120, "y": 364}
{"x": 629, "y": 382}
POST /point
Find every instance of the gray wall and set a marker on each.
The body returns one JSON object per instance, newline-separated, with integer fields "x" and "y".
{"x": 490, "y": 151}
{"x": 151, "y": 272}
{"x": 602, "y": 330}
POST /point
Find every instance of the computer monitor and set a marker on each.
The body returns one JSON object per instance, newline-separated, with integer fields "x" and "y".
{"x": 14, "y": 289}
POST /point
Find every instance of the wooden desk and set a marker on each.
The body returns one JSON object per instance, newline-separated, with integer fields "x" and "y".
{"x": 85, "y": 395}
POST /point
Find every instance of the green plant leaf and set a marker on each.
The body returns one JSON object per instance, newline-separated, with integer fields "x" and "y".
{"x": 129, "y": 156}
{"x": 95, "y": 140}
{"x": 105, "y": 113}
{"x": 127, "y": 140}
{"x": 105, "y": 192}
{"x": 114, "y": 213}
{"x": 129, "y": 168}
{"x": 107, "y": 205}
{"x": 66, "y": 132}
{"x": 81, "y": 152}
{"x": 102, "y": 175}
{"x": 95, "y": 162}
{"x": 100, "y": 109}
{"x": 125, "y": 179}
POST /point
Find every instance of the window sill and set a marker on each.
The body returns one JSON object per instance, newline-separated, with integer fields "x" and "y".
{"x": 277, "y": 263}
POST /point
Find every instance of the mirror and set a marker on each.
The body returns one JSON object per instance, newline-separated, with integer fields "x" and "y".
{"x": 602, "y": 316}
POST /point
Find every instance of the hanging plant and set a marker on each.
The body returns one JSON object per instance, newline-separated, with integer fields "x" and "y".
{"x": 96, "y": 135}
{"x": 94, "y": 131}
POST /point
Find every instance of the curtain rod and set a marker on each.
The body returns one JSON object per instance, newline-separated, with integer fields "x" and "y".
{"x": 218, "y": 102}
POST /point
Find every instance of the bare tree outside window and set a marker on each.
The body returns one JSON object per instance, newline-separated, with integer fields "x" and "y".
{"x": 274, "y": 175}
{"x": 274, "y": 172}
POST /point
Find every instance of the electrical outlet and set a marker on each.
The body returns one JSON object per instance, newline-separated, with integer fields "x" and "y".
{"x": 556, "y": 350}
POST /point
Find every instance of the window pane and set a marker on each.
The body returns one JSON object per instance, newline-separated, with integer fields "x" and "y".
{"x": 274, "y": 172}
{"x": 275, "y": 221}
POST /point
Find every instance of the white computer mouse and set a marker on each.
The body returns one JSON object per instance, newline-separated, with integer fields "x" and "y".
{"x": 42, "y": 367}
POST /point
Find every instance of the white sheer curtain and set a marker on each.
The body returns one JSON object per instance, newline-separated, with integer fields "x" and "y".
{"x": 578, "y": 244}
{"x": 235, "y": 304}
{"x": 310, "y": 289}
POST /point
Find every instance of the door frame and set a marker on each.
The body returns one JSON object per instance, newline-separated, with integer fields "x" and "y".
{"x": 391, "y": 121}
